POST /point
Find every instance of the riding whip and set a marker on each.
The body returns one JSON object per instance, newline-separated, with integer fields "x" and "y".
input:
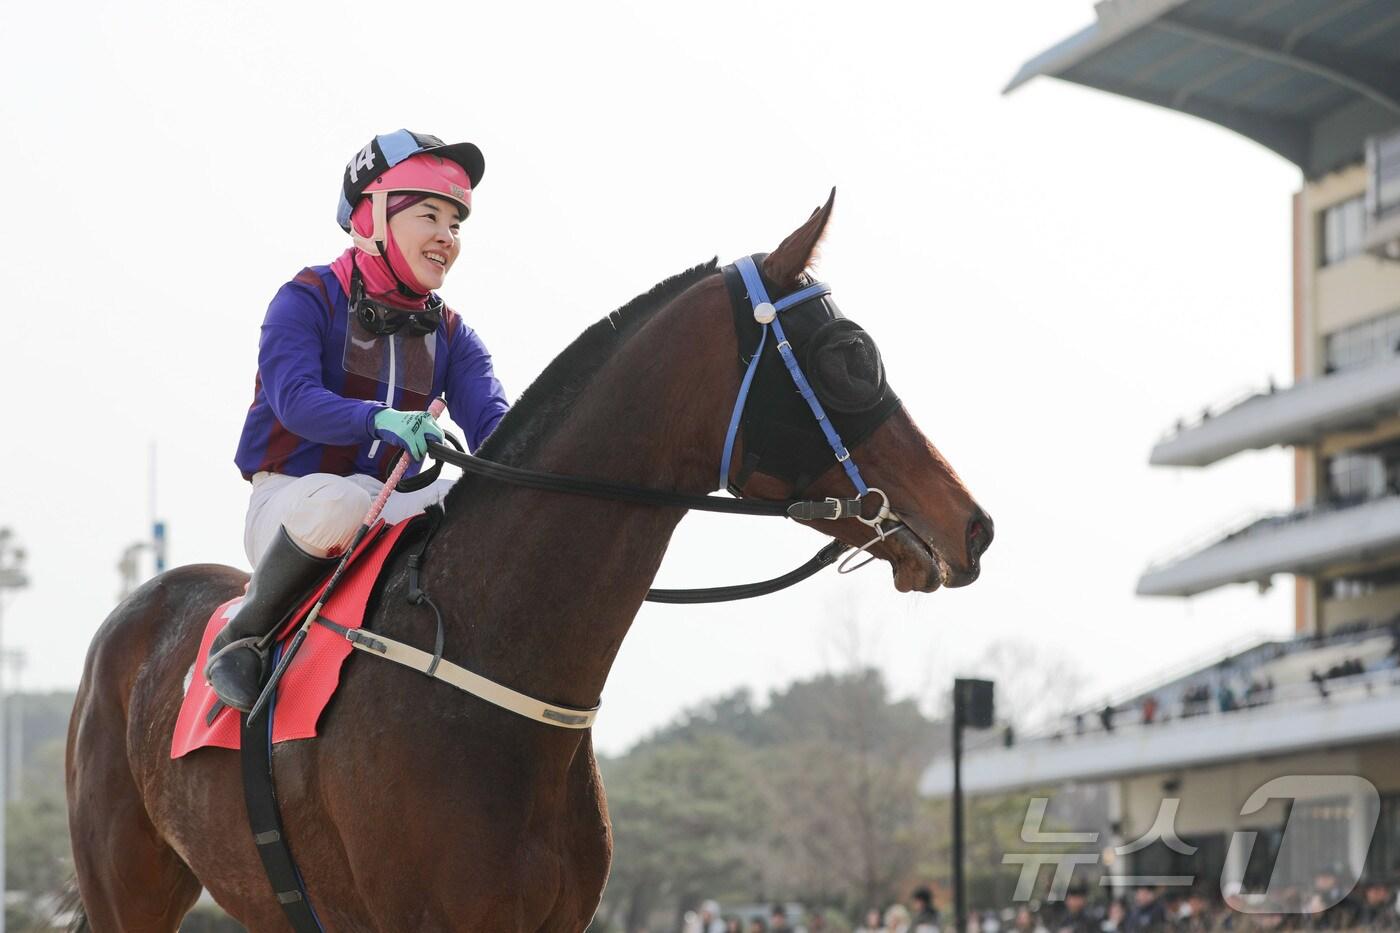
{"x": 372, "y": 516}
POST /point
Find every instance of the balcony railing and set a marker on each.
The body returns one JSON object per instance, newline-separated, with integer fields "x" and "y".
{"x": 1297, "y": 717}
{"x": 1298, "y": 414}
{"x": 1305, "y": 540}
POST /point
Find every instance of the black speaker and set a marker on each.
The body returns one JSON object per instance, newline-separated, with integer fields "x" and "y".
{"x": 972, "y": 702}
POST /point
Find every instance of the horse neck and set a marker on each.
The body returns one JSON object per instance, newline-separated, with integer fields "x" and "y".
{"x": 556, "y": 579}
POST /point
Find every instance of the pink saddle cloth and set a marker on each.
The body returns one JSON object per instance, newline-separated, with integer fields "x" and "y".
{"x": 312, "y": 679}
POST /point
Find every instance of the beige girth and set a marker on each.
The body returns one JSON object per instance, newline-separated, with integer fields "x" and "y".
{"x": 463, "y": 679}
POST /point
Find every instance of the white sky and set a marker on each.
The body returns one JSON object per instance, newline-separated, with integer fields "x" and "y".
{"x": 1054, "y": 278}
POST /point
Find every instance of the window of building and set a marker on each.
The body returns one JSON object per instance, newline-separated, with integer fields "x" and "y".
{"x": 1385, "y": 175}
{"x": 1343, "y": 230}
{"x": 1355, "y": 476}
{"x": 1268, "y": 842}
{"x": 1363, "y": 344}
{"x": 1318, "y": 833}
{"x": 1207, "y": 862}
{"x": 1364, "y": 473}
{"x": 1384, "y": 857}
{"x": 1361, "y": 584}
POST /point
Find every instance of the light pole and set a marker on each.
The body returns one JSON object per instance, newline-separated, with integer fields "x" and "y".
{"x": 972, "y": 706}
{"x": 14, "y": 661}
{"x": 11, "y": 578}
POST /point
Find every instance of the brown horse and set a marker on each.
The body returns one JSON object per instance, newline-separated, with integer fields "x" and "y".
{"x": 420, "y": 807}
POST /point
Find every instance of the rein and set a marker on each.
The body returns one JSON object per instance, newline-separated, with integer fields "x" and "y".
{"x": 801, "y": 509}
{"x": 766, "y": 314}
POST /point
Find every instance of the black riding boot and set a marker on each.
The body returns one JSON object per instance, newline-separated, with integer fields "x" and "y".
{"x": 235, "y": 665}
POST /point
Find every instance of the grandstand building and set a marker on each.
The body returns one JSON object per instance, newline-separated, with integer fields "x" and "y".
{"x": 1318, "y": 83}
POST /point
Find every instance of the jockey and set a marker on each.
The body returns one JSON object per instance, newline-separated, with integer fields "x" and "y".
{"x": 350, "y": 356}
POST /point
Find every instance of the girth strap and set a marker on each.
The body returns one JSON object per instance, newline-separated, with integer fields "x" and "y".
{"x": 265, "y": 819}
{"x": 463, "y": 679}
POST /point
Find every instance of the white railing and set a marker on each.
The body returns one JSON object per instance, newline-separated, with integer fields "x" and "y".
{"x": 1219, "y": 407}
{"x": 1339, "y": 690}
{"x": 1256, "y": 522}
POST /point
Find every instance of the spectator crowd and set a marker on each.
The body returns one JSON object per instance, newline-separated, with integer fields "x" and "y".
{"x": 1243, "y": 682}
{"x": 1371, "y": 905}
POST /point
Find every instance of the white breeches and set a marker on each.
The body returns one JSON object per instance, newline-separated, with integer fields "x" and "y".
{"x": 322, "y": 511}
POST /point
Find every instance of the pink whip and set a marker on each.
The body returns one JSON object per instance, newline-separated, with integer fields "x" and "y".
{"x": 371, "y": 517}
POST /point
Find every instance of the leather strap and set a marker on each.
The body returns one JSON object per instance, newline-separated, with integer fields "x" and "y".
{"x": 265, "y": 819}
{"x": 478, "y": 686}
{"x": 621, "y": 492}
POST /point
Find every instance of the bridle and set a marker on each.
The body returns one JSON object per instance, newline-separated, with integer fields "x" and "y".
{"x": 754, "y": 304}
{"x": 767, "y": 315}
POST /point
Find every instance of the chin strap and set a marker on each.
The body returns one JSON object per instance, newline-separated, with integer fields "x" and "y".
{"x": 377, "y": 243}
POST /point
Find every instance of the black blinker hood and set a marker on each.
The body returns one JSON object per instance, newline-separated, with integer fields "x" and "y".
{"x": 781, "y": 436}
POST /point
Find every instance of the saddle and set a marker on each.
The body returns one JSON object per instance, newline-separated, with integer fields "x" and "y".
{"x": 311, "y": 680}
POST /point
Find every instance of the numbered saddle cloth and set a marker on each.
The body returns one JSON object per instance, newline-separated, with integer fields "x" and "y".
{"x": 314, "y": 674}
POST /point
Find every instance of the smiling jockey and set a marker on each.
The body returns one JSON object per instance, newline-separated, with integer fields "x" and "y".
{"x": 350, "y": 356}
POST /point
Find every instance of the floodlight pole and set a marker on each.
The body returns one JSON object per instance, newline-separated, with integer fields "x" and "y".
{"x": 11, "y": 578}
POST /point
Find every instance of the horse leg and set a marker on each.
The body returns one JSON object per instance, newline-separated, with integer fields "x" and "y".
{"x": 589, "y": 854}
{"x": 129, "y": 878}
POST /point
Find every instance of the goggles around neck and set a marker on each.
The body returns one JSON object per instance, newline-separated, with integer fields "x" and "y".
{"x": 383, "y": 319}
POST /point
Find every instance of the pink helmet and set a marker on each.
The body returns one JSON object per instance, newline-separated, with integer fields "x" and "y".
{"x": 405, "y": 162}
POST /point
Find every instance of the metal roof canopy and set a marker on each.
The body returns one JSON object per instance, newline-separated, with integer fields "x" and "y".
{"x": 1308, "y": 79}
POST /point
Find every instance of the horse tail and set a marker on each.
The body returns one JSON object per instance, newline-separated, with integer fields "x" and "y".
{"x": 71, "y": 909}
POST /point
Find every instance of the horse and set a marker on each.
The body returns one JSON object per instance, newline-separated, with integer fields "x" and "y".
{"x": 421, "y": 808}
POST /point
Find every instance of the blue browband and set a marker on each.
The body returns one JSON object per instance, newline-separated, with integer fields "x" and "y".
{"x": 766, "y": 313}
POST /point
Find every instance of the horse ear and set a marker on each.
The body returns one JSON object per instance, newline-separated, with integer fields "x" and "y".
{"x": 797, "y": 252}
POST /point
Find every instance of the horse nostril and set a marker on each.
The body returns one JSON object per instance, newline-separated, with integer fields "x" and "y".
{"x": 979, "y": 534}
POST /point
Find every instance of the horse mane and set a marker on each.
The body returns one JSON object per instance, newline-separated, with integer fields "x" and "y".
{"x": 552, "y": 395}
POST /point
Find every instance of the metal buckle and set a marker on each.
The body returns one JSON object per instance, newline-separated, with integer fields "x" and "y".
{"x": 876, "y": 525}
{"x": 843, "y": 455}
{"x": 880, "y": 516}
{"x": 357, "y": 637}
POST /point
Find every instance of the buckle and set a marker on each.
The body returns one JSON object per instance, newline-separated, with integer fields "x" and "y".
{"x": 828, "y": 509}
{"x": 357, "y": 637}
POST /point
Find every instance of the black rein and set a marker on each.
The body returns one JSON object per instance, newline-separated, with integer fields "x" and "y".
{"x": 800, "y": 509}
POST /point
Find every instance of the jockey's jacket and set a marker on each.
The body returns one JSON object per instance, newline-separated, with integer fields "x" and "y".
{"x": 311, "y": 414}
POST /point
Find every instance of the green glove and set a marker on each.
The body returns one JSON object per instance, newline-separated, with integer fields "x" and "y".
{"x": 410, "y": 430}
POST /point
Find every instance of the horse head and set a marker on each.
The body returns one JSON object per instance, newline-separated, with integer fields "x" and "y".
{"x": 939, "y": 531}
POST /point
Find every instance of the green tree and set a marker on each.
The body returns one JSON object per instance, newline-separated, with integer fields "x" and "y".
{"x": 38, "y": 857}
{"x": 844, "y": 790}
{"x": 812, "y": 798}
{"x": 684, "y": 815}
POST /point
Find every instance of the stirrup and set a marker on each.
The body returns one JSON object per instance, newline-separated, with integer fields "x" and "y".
{"x": 252, "y": 641}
